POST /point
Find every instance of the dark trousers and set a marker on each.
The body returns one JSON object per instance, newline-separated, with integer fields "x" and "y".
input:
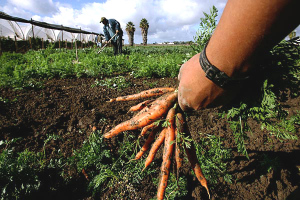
{"x": 117, "y": 45}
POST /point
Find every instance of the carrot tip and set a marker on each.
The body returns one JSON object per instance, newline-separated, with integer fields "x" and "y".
{"x": 207, "y": 192}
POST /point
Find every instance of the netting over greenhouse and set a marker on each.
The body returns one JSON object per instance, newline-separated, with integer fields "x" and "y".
{"x": 65, "y": 36}
{"x": 10, "y": 29}
{"x": 39, "y": 32}
{"x": 22, "y": 29}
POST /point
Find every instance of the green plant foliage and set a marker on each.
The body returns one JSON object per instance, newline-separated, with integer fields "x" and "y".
{"x": 31, "y": 68}
{"x": 206, "y": 28}
{"x": 18, "y": 173}
{"x": 176, "y": 189}
{"x": 93, "y": 153}
{"x": 119, "y": 82}
{"x": 265, "y": 107}
{"x": 213, "y": 158}
{"x": 110, "y": 171}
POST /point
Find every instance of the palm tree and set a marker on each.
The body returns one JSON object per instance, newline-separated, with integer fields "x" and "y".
{"x": 144, "y": 25}
{"x": 130, "y": 32}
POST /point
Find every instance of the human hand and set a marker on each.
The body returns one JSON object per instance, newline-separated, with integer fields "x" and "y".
{"x": 117, "y": 31}
{"x": 196, "y": 91}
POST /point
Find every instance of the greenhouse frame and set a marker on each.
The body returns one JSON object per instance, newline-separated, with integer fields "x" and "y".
{"x": 21, "y": 29}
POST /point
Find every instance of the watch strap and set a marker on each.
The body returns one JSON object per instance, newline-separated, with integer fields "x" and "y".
{"x": 217, "y": 76}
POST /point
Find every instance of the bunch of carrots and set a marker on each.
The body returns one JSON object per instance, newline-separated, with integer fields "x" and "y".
{"x": 149, "y": 113}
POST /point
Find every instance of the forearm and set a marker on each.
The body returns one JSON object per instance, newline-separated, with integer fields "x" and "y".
{"x": 247, "y": 29}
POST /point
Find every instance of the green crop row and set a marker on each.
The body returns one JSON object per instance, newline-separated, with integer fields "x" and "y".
{"x": 29, "y": 69}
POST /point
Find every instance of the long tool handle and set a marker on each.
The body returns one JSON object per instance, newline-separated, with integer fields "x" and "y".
{"x": 107, "y": 43}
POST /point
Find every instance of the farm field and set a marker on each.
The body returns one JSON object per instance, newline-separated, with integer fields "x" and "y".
{"x": 50, "y": 101}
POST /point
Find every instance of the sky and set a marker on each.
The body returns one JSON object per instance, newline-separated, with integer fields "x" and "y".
{"x": 169, "y": 20}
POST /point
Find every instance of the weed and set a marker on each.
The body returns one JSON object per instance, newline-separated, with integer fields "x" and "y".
{"x": 119, "y": 83}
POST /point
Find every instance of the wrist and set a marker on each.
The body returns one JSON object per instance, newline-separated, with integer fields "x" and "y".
{"x": 227, "y": 58}
{"x": 223, "y": 76}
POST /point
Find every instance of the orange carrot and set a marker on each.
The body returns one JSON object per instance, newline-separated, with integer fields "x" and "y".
{"x": 167, "y": 155}
{"x": 146, "y": 145}
{"x": 178, "y": 157}
{"x": 146, "y": 116}
{"x": 94, "y": 128}
{"x": 191, "y": 153}
{"x": 85, "y": 174}
{"x": 192, "y": 157}
{"x": 140, "y": 106}
{"x": 179, "y": 130}
{"x": 144, "y": 94}
{"x": 146, "y": 128}
{"x": 158, "y": 142}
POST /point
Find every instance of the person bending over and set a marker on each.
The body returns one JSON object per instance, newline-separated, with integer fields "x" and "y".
{"x": 110, "y": 28}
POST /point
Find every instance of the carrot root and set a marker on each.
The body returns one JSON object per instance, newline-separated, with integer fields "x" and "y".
{"x": 158, "y": 142}
{"x": 85, "y": 174}
{"x": 192, "y": 157}
{"x": 167, "y": 155}
{"x": 146, "y": 128}
{"x": 144, "y": 94}
{"x": 140, "y": 106}
{"x": 146, "y": 116}
{"x": 146, "y": 145}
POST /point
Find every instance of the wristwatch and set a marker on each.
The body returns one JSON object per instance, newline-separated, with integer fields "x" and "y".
{"x": 217, "y": 76}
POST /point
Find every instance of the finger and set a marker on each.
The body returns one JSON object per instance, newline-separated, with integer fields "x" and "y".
{"x": 183, "y": 103}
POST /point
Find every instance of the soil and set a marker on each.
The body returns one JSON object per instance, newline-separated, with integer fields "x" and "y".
{"x": 68, "y": 106}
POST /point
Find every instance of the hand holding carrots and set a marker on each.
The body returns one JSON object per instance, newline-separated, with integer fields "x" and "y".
{"x": 148, "y": 112}
{"x": 196, "y": 91}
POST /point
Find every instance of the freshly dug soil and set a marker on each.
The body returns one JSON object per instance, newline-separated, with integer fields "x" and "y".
{"x": 70, "y": 107}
